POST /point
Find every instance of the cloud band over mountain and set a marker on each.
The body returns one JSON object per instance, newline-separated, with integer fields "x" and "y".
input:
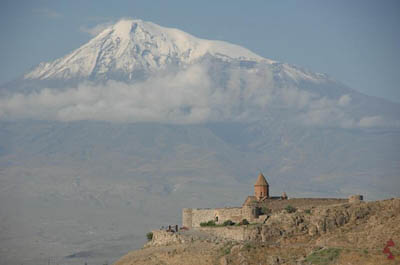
{"x": 186, "y": 97}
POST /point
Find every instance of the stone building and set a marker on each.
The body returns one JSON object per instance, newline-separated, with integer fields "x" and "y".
{"x": 261, "y": 192}
{"x": 257, "y": 207}
{"x": 249, "y": 211}
{"x": 261, "y": 188}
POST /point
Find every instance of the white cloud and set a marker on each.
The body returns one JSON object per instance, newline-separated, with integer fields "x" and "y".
{"x": 321, "y": 111}
{"x": 189, "y": 96}
{"x": 94, "y": 31}
{"x": 344, "y": 100}
{"x": 376, "y": 121}
{"x": 46, "y": 12}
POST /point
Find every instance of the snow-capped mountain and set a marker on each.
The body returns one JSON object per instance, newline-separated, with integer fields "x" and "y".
{"x": 209, "y": 80}
{"x": 134, "y": 49}
{"x": 130, "y": 46}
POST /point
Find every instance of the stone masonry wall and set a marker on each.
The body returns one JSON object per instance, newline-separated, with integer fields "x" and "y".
{"x": 187, "y": 217}
{"x": 193, "y": 217}
{"x": 301, "y": 203}
{"x": 239, "y": 233}
{"x": 161, "y": 237}
{"x": 233, "y": 214}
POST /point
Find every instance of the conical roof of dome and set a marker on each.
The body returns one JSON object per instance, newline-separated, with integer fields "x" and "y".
{"x": 261, "y": 181}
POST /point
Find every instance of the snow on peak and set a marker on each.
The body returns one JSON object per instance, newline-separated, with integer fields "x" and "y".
{"x": 132, "y": 44}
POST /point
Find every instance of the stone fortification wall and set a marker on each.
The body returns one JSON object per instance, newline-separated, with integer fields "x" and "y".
{"x": 162, "y": 237}
{"x": 193, "y": 217}
{"x": 187, "y": 214}
{"x": 201, "y": 215}
{"x": 238, "y": 233}
{"x": 300, "y": 203}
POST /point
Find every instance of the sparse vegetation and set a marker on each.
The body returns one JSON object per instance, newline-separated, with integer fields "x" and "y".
{"x": 226, "y": 249}
{"x": 209, "y": 223}
{"x": 290, "y": 209}
{"x": 149, "y": 236}
{"x": 248, "y": 246}
{"x": 324, "y": 256}
{"x": 307, "y": 211}
{"x": 228, "y": 223}
{"x": 213, "y": 224}
{"x": 266, "y": 210}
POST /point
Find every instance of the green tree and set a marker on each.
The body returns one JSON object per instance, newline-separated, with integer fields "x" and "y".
{"x": 149, "y": 236}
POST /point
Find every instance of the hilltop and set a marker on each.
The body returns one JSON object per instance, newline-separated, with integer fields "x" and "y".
{"x": 346, "y": 233}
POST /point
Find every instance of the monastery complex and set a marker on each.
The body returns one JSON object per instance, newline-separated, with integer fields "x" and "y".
{"x": 256, "y": 208}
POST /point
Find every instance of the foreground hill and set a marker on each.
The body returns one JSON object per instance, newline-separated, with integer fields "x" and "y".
{"x": 337, "y": 234}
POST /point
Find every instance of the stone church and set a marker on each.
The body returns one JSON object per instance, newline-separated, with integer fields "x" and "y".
{"x": 257, "y": 207}
{"x": 192, "y": 217}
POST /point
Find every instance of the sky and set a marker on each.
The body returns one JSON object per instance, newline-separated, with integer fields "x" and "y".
{"x": 355, "y": 42}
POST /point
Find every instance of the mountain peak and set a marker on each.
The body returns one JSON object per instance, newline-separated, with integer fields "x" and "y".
{"x": 124, "y": 27}
{"x": 130, "y": 28}
{"x": 131, "y": 46}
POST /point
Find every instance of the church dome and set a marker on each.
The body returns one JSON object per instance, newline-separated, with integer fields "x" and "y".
{"x": 261, "y": 181}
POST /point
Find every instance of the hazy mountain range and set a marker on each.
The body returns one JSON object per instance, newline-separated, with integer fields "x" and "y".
{"x": 113, "y": 139}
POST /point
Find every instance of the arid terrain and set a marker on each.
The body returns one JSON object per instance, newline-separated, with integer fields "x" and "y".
{"x": 335, "y": 234}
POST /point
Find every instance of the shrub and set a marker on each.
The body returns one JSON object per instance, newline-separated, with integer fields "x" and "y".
{"x": 209, "y": 223}
{"x": 227, "y": 251}
{"x": 228, "y": 223}
{"x": 265, "y": 210}
{"x": 307, "y": 211}
{"x": 290, "y": 209}
{"x": 149, "y": 236}
{"x": 324, "y": 257}
{"x": 248, "y": 246}
{"x": 245, "y": 222}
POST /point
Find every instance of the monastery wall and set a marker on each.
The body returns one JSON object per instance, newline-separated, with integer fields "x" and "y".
{"x": 161, "y": 237}
{"x": 193, "y": 217}
{"x": 239, "y": 233}
{"x": 300, "y": 203}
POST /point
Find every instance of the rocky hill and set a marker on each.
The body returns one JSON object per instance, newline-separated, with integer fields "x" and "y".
{"x": 347, "y": 233}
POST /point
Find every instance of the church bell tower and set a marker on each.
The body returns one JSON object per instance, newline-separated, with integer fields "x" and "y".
{"x": 261, "y": 188}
